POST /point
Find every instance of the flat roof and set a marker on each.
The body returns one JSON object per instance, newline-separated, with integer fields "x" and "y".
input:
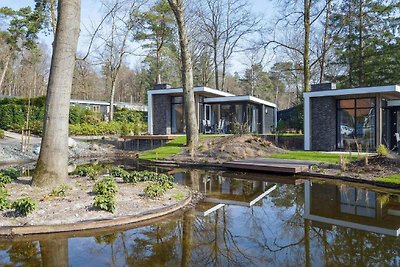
{"x": 242, "y": 98}
{"x": 355, "y": 91}
{"x": 196, "y": 89}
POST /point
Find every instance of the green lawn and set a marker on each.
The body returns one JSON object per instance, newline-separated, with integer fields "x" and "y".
{"x": 312, "y": 156}
{"x": 171, "y": 148}
{"x": 393, "y": 179}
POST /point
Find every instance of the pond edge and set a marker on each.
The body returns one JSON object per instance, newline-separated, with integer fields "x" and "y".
{"x": 10, "y": 231}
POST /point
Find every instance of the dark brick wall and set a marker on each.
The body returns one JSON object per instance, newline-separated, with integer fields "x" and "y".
{"x": 161, "y": 114}
{"x": 323, "y": 87}
{"x": 323, "y": 123}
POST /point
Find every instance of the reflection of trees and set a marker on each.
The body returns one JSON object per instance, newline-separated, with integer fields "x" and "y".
{"x": 22, "y": 254}
{"x": 349, "y": 247}
{"x": 154, "y": 245}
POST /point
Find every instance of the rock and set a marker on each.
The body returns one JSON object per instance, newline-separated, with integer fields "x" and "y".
{"x": 95, "y": 147}
{"x": 71, "y": 142}
{"x": 36, "y": 150}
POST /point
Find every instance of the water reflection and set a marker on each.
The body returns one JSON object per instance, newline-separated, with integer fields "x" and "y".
{"x": 242, "y": 222}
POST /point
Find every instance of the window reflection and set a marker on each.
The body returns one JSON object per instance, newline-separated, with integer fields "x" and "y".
{"x": 356, "y": 123}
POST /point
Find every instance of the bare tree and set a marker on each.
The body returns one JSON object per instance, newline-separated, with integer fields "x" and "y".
{"x": 115, "y": 41}
{"x": 52, "y": 164}
{"x": 303, "y": 16}
{"x": 192, "y": 127}
{"x": 225, "y": 24}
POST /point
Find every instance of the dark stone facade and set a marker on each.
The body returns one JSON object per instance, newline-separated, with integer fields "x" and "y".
{"x": 161, "y": 114}
{"x": 323, "y": 123}
{"x": 323, "y": 87}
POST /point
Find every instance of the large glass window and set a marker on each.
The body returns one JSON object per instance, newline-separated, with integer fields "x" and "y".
{"x": 356, "y": 123}
{"x": 177, "y": 115}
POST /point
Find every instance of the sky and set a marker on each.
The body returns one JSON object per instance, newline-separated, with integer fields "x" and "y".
{"x": 91, "y": 15}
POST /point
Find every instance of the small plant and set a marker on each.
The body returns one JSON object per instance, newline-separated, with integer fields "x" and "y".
{"x": 154, "y": 190}
{"x": 119, "y": 172}
{"x": 382, "y": 151}
{"x": 4, "y": 201}
{"x": 24, "y": 206}
{"x": 105, "y": 202}
{"x": 2, "y": 134}
{"x": 12, "y": 172}
{"x": 60, "y": 191}
{"x": 87, "y": 171}
{"x": 106, "y": 186}
{"x": 105, "y": 194}
{"x": 5, "y": 179}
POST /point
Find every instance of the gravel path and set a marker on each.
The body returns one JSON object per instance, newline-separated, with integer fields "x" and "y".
{"x": 11, "y": 152}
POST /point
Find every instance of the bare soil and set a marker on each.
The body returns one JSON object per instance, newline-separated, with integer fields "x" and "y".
{"x": 375, "y": 167}
{"x": 77, "y": 205}
{"x": 218, "y": 150}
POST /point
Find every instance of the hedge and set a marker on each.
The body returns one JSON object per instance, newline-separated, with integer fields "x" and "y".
{"x": 83, "y": 121}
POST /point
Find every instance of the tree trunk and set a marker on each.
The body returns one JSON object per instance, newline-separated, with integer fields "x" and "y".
{"x": 158, "y": 63}
{"x": 192, "y": 128}
{"x": 54, "y": 252}
{"x": 112, "y": 94}
{"x": 325, "y": 41}
{"x": 215, "y": 48}
{"x": 52, "y": 165}
{"x": 306, "y": 55}
{"x": 53, "y": 15}
{"x": 361, "y": 75}
{"x": 3, "y": 74}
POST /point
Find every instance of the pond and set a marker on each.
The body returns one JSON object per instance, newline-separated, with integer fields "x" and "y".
{"x": 246, "y": 219}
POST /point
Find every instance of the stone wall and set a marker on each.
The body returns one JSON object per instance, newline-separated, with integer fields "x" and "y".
{"x": 161, "y": 114}
{"x": 323, "y": 123}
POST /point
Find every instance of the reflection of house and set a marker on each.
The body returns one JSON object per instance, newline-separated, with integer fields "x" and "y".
{"x": 340, "y": 119}
{"x": 237, "y": 192}
{"x": 352, "y": 207}
{"x": 104, "y": 107}
{"x": 217, "y": 111}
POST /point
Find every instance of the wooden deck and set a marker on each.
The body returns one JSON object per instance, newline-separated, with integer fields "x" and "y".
{"x": 281, "y": 166}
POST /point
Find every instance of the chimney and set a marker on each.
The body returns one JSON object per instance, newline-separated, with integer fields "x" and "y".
{"x": 162, "y": 86}
{"x": 323, "y": 87}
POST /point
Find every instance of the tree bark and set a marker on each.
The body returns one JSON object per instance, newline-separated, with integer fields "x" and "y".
{"x": 215, "y": 58}
{"x": 53, "y": 15}
{"x": 3, "y": 74}
{"x": 52, "y": 165}
{"x": 325, "y": 41}
{"x": 306, "y": 56}
{"x": 192, "y": 128}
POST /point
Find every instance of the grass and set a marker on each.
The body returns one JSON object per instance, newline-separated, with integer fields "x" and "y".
{"x": 287, "y": 135}
{"x": 312, "y": 156}
{"x": 171, "y": 148}
{"x": 393, "y": 179}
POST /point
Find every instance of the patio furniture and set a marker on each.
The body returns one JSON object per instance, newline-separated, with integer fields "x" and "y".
{"x": 220, "y": 127}
{"x": 207, "y": 127}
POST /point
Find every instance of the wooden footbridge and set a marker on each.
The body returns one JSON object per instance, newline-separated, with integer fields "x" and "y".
{"x": 282, "y": 166}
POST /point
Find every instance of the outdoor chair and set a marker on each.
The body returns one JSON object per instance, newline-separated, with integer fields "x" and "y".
{"x": 207, "y": 127}
{"x": 220, "y": 127}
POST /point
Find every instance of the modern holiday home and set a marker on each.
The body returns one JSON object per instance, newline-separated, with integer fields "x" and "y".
{"x": 342, "y": 119}
{"x": 217, "y": 111}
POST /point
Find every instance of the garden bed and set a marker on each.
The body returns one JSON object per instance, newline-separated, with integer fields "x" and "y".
{"x": 73, "y": 203}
